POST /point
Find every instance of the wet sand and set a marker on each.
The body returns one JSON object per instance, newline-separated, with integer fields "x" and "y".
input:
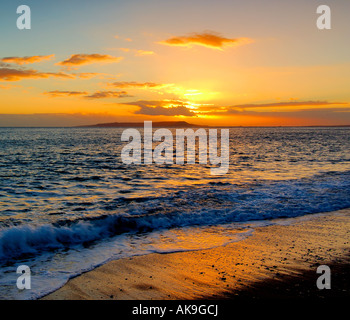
{"x": 277, "y": 261}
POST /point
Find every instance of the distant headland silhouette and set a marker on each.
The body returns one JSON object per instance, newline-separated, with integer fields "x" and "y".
{"x": 161, "y": 124}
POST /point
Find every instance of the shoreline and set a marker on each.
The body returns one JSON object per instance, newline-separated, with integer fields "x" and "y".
{"x": 276, "y": 261}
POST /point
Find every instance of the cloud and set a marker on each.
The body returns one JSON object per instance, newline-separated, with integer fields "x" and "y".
{"x": 324, "y": 114}
{"x": 84, "y": 94}
{"x": 287, "y": 104}
{"x": 161, "y": 111}
{"x": 316, "y": 117}
{"x": 140, "y": 53}
{"x": 279, "y": 109}
{"x": 157, "y": 103}
{"x": 125, "y": 49}
{"x": 207, "y": 39}
{"x": 141, "y": 85}
{"x": 162, "y": 108}
{"x": 137, "y": 53}
{"x": 83, "y": 59}
{"x": 108, "y": 94}
{"x": 11, "y": 74}
{"x": 89, "y": 75}
{"x": 58, "y": 93}
{"x": 289, "y": 107}
{"x": 27, "y": 60}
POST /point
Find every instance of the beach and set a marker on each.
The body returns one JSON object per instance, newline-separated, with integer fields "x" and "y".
{"x": 276, "y": 261}
{"x": 69, "y": 206}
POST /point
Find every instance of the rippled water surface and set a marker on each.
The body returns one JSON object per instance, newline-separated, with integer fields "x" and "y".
{"x": 66, "y": 196}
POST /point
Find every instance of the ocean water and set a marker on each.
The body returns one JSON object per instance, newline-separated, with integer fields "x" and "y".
{"x": 69, "y": 204}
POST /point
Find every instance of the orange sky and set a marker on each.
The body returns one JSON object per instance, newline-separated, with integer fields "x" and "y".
{"x": 223, "y": 63}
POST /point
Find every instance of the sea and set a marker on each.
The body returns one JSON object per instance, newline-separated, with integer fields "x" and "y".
{"x": 68, "y": 203}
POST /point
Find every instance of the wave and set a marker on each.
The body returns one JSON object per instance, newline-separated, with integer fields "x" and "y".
{"x": 196, "y": 207}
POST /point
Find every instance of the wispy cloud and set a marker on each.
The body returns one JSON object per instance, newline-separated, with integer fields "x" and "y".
{"x": 140, "y": 53}
{"x": 136, "y": 52}
{"x": 58, "y": 93}
{"x": 140, "y": 85}
{"x": 12, "y": 74}
{"x": 83, "y": 59}
{"x": 108, "y": 94}
{"x": 325, "y": 115}
{"x": 87, "y": 95}
{"x": 124, "y": 49}
{"x": 287, "y": 104}
{"x": 89, "y": 75}
{"x": 125, "y": 39}
{"x": 27, "y": 60}
{"x": 207, "y": 39}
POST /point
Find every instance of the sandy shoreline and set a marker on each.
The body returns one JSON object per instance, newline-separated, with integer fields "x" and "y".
{"x": 276, "y": 261}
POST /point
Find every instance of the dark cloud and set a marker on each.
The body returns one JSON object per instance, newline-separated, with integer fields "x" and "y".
{"x": 162, "y": 108}
{"x": 161, "y": 111}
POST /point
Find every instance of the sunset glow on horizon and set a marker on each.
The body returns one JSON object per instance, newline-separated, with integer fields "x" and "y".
{"x": 251, "y": 63}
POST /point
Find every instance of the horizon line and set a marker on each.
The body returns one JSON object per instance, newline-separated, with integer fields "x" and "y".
{"x": 208, "y": 126}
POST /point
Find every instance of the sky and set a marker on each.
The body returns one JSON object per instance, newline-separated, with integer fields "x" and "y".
{"x": 224, "y": 62}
